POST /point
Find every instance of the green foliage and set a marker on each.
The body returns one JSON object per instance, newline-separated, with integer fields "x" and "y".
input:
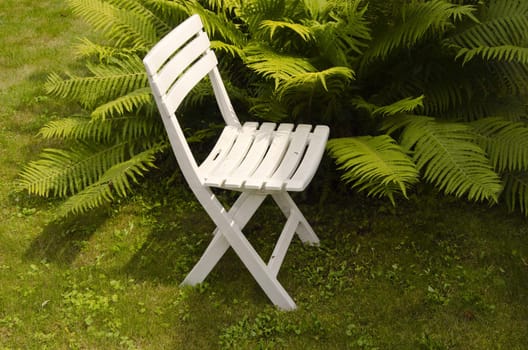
{"x": 374, "y": 164}
{"x": 434, "y": 90}
{"x": 449, "y": 157}
{"x": 416, "y": 21}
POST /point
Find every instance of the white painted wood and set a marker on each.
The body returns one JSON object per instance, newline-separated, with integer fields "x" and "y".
{"x": 171, "y": 71}
{"x": 279, "y": 252}
{"x": 253, "y": 158}
{"x": 288, "y": 208}
{"x": 189, "y": 79}
{"x": 236, "y": 155}
{"x": 273, "y": 158}
{"x": 314, "y": 153}
{"x": 170, "y": 43}
{"x": 257, "y": 160}
{"x": 293, "y": 156}
{"x": 241, "y": 211}
{"x": 224, "y": 103}
{"x": 220, "y": 150}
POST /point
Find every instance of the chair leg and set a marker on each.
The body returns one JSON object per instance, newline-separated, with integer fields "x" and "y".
{"x": 288, "y": 208}
{"x": 258, "y": 269}
{"x": 229, "y": 234}
{"x": 241, "y": 211}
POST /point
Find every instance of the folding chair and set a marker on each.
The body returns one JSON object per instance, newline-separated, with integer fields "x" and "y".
{"x": 254, "y": 159}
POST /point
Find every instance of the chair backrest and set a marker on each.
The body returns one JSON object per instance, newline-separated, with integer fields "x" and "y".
{"x": 178, "y": 62}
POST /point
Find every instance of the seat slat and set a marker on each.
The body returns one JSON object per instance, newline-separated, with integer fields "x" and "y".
{"x": 254, "y": 157}
{"x": 183, "y": 58}
{"x": 306, "y": 170}
{"x": 236, "y": 155}
{"x": 273, "y": 158}
{"x": 220, "y": 150}
{"x": 291, "y": 159}
{"x": 189, "y": 79}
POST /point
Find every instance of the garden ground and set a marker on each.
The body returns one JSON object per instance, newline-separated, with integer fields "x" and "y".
{"x": 432, "y": 273}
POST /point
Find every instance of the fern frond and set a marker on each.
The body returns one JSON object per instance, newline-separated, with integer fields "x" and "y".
{"x": 516, "y": 191}
{"x": 254, "y": 12}
{"x": 223, "y": 5}
{"x": 233, "y": 50}
{"x": 125, "y": 25}
{"x": 505, "y": 142}
{"x": 61, "y": 172}
{"x": 87, "y": 48}
{"x": 115, "y": 181}
{"x": 271, "y": 26}
{"x": 507, "y": 53}
{"x": 79, "y": 128}
{"x": 374, "y": 164}
{"x": 418, "y": 19}
{"x": 141, "y": 8}
{"x": 317, "y": 9}
{"x": 199, "y": 94}
{"x": 173, "y": 11}
{"x": 332, "y": 80}
{"x": 271, "y": 64}
{"x": 510, "y": 78}
{"x": 107, "y": 82}
{"x": 218, "y": 24}
{"x": 448, "y": 156}
{"x": 505, "y": 22}
{"x": 86, "y": 129}
{"x": 130, "y": 102}
{"x": 404, "y": 105}
{"x": 267, "y": 108}
{"x": 500, "y": 35}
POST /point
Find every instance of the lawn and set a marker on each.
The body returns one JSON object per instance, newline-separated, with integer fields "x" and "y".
{"x": 432, "y": 273}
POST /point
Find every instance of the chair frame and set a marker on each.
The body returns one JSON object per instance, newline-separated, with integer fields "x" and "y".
{"x": 174, "y": 66}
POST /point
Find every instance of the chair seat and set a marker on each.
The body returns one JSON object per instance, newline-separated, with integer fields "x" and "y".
{"x": 267, "y": 157}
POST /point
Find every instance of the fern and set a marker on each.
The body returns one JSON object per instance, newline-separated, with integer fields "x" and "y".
{"x": 103, "y": 131}
{"x": 332, "y": 80}
{"x": 505, "y": 142}
{"x": 448, "y": 157}
{"x": 405, "y": 105}
{"x": 516, "y": 191}
{"x": 304, "y": 32}
{"x": 233, "y": 50}
{"x": 499, "y": 36}
{"x": 126, "y": 23}
{"x": 509, "y": 53}
{"x": 63, "y": 172}
{"x": 374, "y": 164}
{"x": 115, "y": 181}
{"x": 107, "y": 82}
{"x": 130, "y": 102}
{"x": 510, "y": 78}
{"x": 277, "y": 66}
{"x": 77, "y": 128}
{"x": 254, "y": 12}
{"x": 103, "y": 53}
{"x": 418, "y": 19}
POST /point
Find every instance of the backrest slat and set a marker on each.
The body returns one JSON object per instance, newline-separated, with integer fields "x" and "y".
{"x": 166, "y": 47}
{"x": 181, "y": 60}
{"x": 189, "y": 79}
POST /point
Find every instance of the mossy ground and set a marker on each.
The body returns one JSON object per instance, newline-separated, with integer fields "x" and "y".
{"x": 431, "y": 273}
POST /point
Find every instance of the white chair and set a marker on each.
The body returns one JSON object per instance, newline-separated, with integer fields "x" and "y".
{"x": 254, "y": 159}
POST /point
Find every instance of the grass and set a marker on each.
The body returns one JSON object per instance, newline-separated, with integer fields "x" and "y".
{"x": 430, "y": 274}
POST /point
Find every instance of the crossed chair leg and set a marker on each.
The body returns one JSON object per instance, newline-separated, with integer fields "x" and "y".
{"x": 229, "y": 234}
